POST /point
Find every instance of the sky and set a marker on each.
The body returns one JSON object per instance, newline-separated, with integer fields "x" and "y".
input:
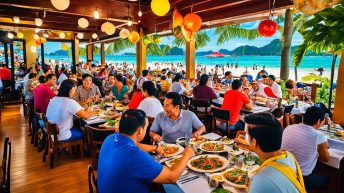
{"x": 230, "y": 45}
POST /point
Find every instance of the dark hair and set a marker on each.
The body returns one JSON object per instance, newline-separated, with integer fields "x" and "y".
{"x": 84, "y": 76}
{"x": 177, "y": 77}
{"x": 65, "y": 87}
{"x": 49, "y": 76}
{"x": 149, "y": 87}
{"x": 272, "y": 77}
{"x": 169, "y": 73}
{"x": 176, "y": 99}
{"x": 313, "y": 114}
{"x": 203, "y": 80}
{"x": 163, "y": 77}
{"x": 145, "y": 73}
{"x": 266, "y": 130}
{"x": 131, "y": 120}
{"x": 32, "y": 75}
{"x": 289, "y": 84}
{"x": 236, "y": 84}
{"x": 119, "y": 77}
{"x": 45, "y": 70}
{"x": 41, "y": 79}
{"x": 228, "y": 73}
{"x": 264, "y": 76}
{"x": 111, "y": 75}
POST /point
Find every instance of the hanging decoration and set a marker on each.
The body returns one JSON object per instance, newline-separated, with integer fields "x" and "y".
{"x": 108, "y": 28}
{"x": 38, "y": 42}
{"x": 80, "y": 36}
{"x": 160, "y": 7}
{"x": 10, "y": 35}
{"x": 38, "y": 22}
{"x": 60, "y": 4}
{"x": 35, "y": 36}
{"x": 134, "y": 37}
{"x": 43, "y": 40}
{"x": 124, "y": 33}
{"x": 62, "y": 35}
{"x": 188, "y": 35}
{"x": 20, "y": 35}
{"x": 268, "y": 27}
{"x": 95, "y": 36}
{"x": 192, "y": 22}
{"x": 313, "y": 6}
{"x": 83, "y": 22}
{"x": 16, "y": 19}
{"x": 177, "y": 24}
{"x": 146, "y": 40}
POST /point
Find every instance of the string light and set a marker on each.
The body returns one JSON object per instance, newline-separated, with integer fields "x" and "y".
{"x": 96, "y": 14}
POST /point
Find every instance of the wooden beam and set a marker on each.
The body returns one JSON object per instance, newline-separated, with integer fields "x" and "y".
{"x": 76, "y": 50}
{"x": 89, "y": 49}
{"x": 102, "y": 54}
{"x": 190, "y": 59}
{"x": 141, "y": 63}
{"x": 338, "y": 115}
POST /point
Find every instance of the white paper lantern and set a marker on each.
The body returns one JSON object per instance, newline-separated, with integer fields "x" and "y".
{"x": 80, "y": 36}
{"x": 83, "y": 22}
{"x": 16, "y": 19}
{"x": 124, "y": 33}
{"x": 37, "y": 30}
{"x": 108, "y": 28}
{"x": 20, "y": 35}
{"x": 35, "y": 36}
{"x": 38, "y": 21}
{"x": 10, "y": 35}
{"x": 46, "y": 35}
{"x": 130, "y": 23}
{"x": 33, "y": 49}
{"x": 94, "y": 36}
{"x": 62, "y": 35}
{"x": 60, "y": 4}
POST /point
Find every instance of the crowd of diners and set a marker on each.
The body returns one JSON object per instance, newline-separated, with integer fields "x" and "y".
{"x": 125, "y": 164}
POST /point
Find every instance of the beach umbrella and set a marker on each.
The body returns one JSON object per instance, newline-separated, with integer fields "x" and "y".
{"x": 216, "y": 55}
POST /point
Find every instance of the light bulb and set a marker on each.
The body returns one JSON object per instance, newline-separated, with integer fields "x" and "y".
{"x": 10, "y": 35}
{"x": 37, "y": 30}
{"x": 38, "y": 22}
{"x": 16, "y": 19}
{"x": 33, "y": 49}
{"x": 35, "y": 36}
{"x": 80, "y": 36}
{"x": 45, "y": 35}
{"x": 62, "y": 35}
{"x": 139, "y": 13}
{"x": 94, "y": 36}
{"x": 130, "y": 23}
{"x": 96, "y": 14}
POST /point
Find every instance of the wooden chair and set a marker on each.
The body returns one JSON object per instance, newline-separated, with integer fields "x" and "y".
{"x": 54, "y": 143}
{"x": 30, "y": 110}
{"x": 186, "y": 102}
{"x": 288, "y": 109}
{"x": 201, "y": 107}
{"x": 222, "y": 116}
{"x": 291, "y": 119}
{"x": 6, "y": 167}
{"x": 97, "y": 137}
{"x": 25, "y": 105}
{"x": 92, "y": 180}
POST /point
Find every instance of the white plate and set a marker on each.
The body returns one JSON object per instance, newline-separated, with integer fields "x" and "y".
{"x": 93, "y": 117}
{"x": 231, "y": 151}
{"x": 224, "y": 161}
{"x": 120, "y": 108}
{"x": 109, "y": 104}
{"x": 225, "y": 148}
{"x": 180, "y": 150}
{"x": 227, "y": 142}
{"x": 231, "y": 183}
{"x": 168, "y": 163}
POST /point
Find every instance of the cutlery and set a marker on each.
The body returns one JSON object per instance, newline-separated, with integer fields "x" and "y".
{"x": 185, "y": 178}
{"x": 192, "y": 179}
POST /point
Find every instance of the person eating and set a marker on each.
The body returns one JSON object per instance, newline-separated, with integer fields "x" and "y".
{"x": 178, "y": 87}
{"x": 175, "y": 122}
{"x": 87, "y": 92}
{"x": 119, "y": 91}
{"x": 43, "y": 93}
{"x": 150, "y": 105}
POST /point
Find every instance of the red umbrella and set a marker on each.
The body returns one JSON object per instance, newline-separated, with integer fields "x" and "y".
{"x": 216, "y": 55}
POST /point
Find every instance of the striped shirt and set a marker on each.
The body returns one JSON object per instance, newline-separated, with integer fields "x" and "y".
{"x": 302, "y": 141}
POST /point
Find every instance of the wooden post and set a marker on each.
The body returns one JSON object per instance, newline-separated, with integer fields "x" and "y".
{"x": 314, "y": 91}
{"x": 89, "y": 51}
{"x": 102, "y": 53}
{"x": 76, "y": 50}
{"x": 338, "y": 115}
{"x": 141, "y": 62}
{"x": 190, "y": 59}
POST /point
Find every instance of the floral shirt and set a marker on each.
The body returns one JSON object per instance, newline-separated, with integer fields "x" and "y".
{"x": 81, "y": 94}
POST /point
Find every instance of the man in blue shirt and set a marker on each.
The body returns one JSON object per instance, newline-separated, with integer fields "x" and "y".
{"x": 125, "y": 166}
{"x": 175, "y": 122}
{"x": 227, "y": 80}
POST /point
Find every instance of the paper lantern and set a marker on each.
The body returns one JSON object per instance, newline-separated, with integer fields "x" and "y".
{"x": 83, "y": 22}
{"x": 188, "y": 35}
{"x": 177, "y": 23}
{"x": 160, "y": 7}
{"x": 35, "y": 36}
{"x": 192, "y": 22}
{"x": 64, "y": 46}
{"x": 60, "y": 4}
{"x": 146, "y": 40}
{"x": 156, "y": 39}
{"x": 38, "y": 22}
{"x": 20, "y": 35}
{"x": 38, "y": 42}
{"x": 267, "y": 28}
{"x": 43, "y": 40}
{"x": 33, "y": 49}
{"x": 124, "y": 33}
{"x": 62, "y": 35}
{"x": 134, "y": 37}
{"x": 80, "y": 36}
{"x": 108, "y": 28}
{"x": 10, "y": 35}
{"x": 95, "y": 36}
{"x": 313, "y": 6}
{"x": 16, "y": 19}
{"x": 46, "y": 35}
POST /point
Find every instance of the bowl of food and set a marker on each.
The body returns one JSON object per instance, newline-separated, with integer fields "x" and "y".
{"x": 213, "y": 147}
{"x": 236, "y": 177}
{"x": 227, "y": 140}
{"x": 217, "y": 177}
{"x": 208, "y": 163}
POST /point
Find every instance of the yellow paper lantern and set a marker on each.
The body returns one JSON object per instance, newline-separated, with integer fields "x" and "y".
{"x": 95, "y": 36}
{"x": 80, "y": 36}
{"x": 124, "y": 33}
{"x": 64, "y": 46}
{"x": 20, "y": 35}
{"x": 108, "y": 28}
{"x": 60, "y": 4}
{"x": 35, "y": 36}
{"x": 134, "y": 37}
{"x": 62, "y": 35}
{"x": 160, "y": 7}
{"x": 10, "y": 35}
{"x": 43, "y": 40}
{"x": 83, "y": 22}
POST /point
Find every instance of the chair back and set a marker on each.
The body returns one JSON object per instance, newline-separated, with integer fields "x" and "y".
{"x": 291, "y": 119}
{"x": 201, "y": 103}
{"x": 6, "y": 166}
{"x": 278, "y": 112}
{"x": 92, "y": 181}
{"x": 288, "y": 109}
{"x": 98, "y": 135}
{"x": 186, "y": 102}
{"x": 221, "y": 114}
{"x": 52, "y": 131}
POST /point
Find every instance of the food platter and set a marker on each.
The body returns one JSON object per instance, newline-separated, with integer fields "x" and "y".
{"x": 208, "y": 163}
{"x": 171, "y": 150}
{"x": 213, "y": 147}
{"x": 236, "y": 177}
{"x": 227, "y": 140}
{"x": 196, "y": 141}
{"x": 173, "y": 161}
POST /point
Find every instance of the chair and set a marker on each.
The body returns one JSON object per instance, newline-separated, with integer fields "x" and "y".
{"x": 147, "y": 138}
{"x": 222, "y": 116}
{"x": 278, "y": 112}
{"x": 25, "y": 105}
{"x": 288, "y": 109}
{"x": 97, "y": 137}
{"x": 92, "y": 180}
{"x": 54, "y": 144}
{"x": 6, "y": 166}
{"x": 201, "y": 107}
{"x": 186, "y": 102}
{"x": 291, "y": 119}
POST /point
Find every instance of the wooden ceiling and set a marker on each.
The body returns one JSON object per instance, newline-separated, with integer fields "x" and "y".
{"x": 220, "y": 12}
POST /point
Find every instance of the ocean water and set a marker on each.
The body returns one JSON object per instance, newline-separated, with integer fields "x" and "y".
{"x": 309, "y": 62}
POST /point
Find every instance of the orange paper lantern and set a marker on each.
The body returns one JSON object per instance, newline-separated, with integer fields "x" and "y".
{"x": 192, "y": 22}
{"x": 134, "y": 37}
{"x": 177, "y": 19}
{"x": 38, "y": 42}
{"x": 188, "y": 35}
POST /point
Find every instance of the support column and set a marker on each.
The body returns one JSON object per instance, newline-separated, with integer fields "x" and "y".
{"x": 76, "y": 50}
{"x": 13, "y": 81}
{"x": 190, "y": 59}
{"x": 89, "y": 51}
{"x": 102, "y": 53}
{"x": 338, "y": 115}
{"x": 141, "y": 62}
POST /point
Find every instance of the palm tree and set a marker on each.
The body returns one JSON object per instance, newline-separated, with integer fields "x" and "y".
{"x": 82, "y": 51}
{"x": 226, "y": 33}
{"x": 201, "y": 40}
{"x": 286, "y": 45}
{"x": 323, "y": 34}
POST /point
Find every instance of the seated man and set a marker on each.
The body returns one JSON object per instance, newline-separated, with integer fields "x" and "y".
{"x": 125, "y": 166}
{"x": 227, "y": 79}
{"x": 87, "y": 92}
{"x": 175, "y": 122}
{"x": 233, "y": 101}
{"x": 279, "y": 171}
{"x": 308, "y": 144}
{"x": 150, "y": 105}
{"x": 43, "y": 93}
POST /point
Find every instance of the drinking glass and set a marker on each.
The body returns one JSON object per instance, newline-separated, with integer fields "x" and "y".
{"x": 250, "y": 159}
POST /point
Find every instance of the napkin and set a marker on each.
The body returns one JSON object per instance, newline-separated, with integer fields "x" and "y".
{"x": 212, "y": 136}
{"x": 199, "y": 185}
{"x": 335, "y": 157}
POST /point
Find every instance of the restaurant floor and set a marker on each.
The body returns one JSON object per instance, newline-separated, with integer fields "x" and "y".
{"x": 28, "y": 172}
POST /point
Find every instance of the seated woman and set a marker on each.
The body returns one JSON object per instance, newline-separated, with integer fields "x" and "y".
{"x": 87, "y": 92}
{"x": 108, "y": 83}
{"x": 136, "y": 98}
{"x": 61, "y": 110}
{"x": 119, "y": 90}
{"x": 202, "y": 90}
{"x": 178, "y": 87}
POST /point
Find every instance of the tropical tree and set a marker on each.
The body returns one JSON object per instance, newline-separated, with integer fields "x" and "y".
{"x": 201, "y": 40}
{"x": 82, "y": 51}
{"x": 286, "y": 44}
{"x": 226, "y": 33}
{"x": 322, "y": 33}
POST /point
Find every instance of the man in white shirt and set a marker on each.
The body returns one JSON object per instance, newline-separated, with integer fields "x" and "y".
{"x": 276, "y": 88}
{"x": 142, "y": 79}
{"x": 307, "y": 143}
{"x": 150, "y": 105}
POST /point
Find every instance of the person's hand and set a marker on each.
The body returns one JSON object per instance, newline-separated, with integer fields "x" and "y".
{"x": 196, "y": 134}
{"x": 160, "y": 151}
{"x": 157, "y": 138}
{"x": 188, "y": 152}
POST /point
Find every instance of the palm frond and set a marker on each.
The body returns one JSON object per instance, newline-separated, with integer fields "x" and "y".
{"x": 226, "y": 33}
{"x": 82, "y": 51}
{"x": 118, "y": 46}
{"x": 299, "y": 54}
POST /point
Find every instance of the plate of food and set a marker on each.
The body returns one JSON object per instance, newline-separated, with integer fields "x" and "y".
{"x": 119, "y": 107}
{"x": 213, "y": 147}
{"x": 105, "y": 114}
{"x": 199, "y": 140}
{"x": 112, "y": 123}
{"x": 93, "y": 117}
{"x": 217, "y": 177}
{"x": 97, "y": 111}
{"x": 227, "y": 140}
{"x": 236, "y": 177}
{"x": 171, "y": 150}
{"x": 173, "y": 161}
{"x": 235, "y": 150}
{"x": 208, "y": 163}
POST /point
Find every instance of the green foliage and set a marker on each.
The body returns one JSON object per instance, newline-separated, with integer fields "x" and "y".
{"x": 226, "y": 33}
{"x": 82, "y": 51}
{"x": 201, "y": 40}
{"x": 118, "y": 46}
{"x": 323, "y": 92}
{"x": 284, "y": 89}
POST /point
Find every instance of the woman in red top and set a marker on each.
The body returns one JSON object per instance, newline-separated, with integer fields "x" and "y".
{"x": 136, "y": 98}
